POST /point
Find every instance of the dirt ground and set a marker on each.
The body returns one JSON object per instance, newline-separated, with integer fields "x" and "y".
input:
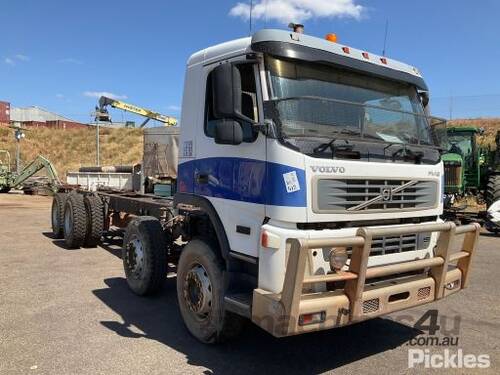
{"x": 70, "y": 312}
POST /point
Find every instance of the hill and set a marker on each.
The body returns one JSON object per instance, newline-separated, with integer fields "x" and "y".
{"x": 70, "y": 149}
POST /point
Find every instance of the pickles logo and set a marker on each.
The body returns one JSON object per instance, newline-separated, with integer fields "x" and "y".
{"x": 446, "y": 359}
{"x": 327, "y": 169}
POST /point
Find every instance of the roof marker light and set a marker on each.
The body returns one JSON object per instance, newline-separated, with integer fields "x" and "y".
{"x": 365, "y": 55}
{"x": 383, "y": 60}
{"x": 345, "y": 49}
{"x": 331, "y": 37}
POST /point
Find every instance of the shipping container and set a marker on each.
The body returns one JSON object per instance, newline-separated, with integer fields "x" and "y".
{"x": 4, "y": 112}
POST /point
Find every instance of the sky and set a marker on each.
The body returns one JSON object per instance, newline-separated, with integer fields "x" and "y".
{"x": 62, "y": 55}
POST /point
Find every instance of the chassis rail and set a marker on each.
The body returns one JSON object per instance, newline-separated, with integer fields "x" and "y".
{"x": 282, "y": 314}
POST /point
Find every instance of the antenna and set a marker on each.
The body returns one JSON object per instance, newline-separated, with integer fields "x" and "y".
{"x": 385, "y": 36}
{"x": 250, "y": 18}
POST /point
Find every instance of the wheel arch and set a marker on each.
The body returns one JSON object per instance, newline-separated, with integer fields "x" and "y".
{"x": 208, "y": 208}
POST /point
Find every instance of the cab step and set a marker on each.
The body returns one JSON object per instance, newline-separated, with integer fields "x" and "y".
{"x": 240, "y": 303}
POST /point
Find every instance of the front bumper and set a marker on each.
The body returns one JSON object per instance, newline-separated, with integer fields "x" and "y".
{"x": 282, "y": 314}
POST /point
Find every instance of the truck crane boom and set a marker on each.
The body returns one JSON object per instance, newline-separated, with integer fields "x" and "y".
{"x": 150, "y": 115}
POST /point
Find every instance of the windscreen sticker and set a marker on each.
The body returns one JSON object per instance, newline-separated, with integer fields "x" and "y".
{"x": 291, "y": 182}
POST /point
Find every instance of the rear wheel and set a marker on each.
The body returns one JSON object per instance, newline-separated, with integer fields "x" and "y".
{"x": 493, "y": 190}
{"x": 95, "y": 220}
{"x": 75, "y": 221}
{"x": 57, "y": 214}
{"x": 144, "y": 255}
{"x": 200, "y": 292}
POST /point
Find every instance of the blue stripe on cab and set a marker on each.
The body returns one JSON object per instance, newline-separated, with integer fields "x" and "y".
{"x": 241, "y": 179}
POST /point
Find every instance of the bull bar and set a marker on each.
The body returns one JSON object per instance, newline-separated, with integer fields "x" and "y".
{"x": 282, "y": 314}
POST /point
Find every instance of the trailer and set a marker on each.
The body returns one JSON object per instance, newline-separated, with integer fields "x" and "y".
{"x": 308, "y": 194}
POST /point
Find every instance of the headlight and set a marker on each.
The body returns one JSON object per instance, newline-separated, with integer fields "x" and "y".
{"x": 338, "y": 258}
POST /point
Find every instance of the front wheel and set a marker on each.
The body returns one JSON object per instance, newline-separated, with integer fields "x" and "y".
{"x": 200, "y": 292}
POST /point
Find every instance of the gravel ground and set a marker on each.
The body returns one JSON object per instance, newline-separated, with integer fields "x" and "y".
{"x": 70, "y": 312}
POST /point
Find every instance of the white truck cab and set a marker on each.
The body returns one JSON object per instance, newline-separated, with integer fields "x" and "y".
{"x": 310, "y": 92}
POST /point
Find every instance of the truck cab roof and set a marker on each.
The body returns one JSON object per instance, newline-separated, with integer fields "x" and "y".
{"x": 294, "y": 45}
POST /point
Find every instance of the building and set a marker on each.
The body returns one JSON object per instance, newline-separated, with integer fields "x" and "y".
{"x": 39, "y": 117}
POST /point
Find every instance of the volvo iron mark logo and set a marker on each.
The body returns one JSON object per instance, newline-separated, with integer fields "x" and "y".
{"x": 327, "y": 169}
{"x": 386, "y": 194}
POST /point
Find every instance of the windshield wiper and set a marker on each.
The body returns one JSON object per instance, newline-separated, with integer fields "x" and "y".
{"x": 407, "y": 153}
{"x": 340, "y": 150}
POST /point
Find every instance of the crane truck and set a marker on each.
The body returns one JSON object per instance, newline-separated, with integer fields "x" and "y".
{"x": 309, "y": 189}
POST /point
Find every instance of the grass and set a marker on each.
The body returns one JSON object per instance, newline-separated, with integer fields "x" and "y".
{"x": 70, "y": 149}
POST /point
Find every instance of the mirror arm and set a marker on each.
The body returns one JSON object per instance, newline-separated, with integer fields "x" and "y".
{"x": 257, "y": 126}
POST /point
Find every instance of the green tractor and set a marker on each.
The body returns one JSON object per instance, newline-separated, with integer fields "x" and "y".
{"x": 471, "y": 174}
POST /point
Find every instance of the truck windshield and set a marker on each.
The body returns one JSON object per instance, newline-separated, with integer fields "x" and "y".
{"x": 315, "y": 100}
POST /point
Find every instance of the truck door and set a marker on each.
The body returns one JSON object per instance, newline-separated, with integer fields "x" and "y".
{"x": 233, "y": 177}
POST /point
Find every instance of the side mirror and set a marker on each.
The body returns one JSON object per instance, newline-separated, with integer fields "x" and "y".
{"x": 228, "y": 132}
{"x": 424, "y": 98}
{"x": 226, "y": 86}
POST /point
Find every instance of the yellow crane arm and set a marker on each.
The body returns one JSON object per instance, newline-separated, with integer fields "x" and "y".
{"x": 167, "y": 120}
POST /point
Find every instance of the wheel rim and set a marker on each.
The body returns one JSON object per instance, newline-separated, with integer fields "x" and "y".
{"x": 135, "y": 258}
{"x": 68, "y": 220}
{"x": 198, "y": 291}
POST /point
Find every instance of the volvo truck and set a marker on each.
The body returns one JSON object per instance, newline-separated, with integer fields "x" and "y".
{"x": 309, "y": 187}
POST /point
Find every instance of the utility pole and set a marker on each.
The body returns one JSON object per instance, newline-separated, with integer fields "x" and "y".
{"x": 451, "y": 107}
{"x": 18, "y": 134}
{"x": 97, "y": 145}
{"x": 97, "y": 115}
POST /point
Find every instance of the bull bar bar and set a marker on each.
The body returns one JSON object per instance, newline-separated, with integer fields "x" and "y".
{"x": 280, "y": 313}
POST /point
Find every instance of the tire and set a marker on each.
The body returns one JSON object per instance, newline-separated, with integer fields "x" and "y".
{"x": 4, "y": 189}
{"x": 95, "y": 220}
{"x": 144, "y": 255}
{"x": 57, "y": 214}
{"x": 493, "y": 190}
{"x": 205, "y": 316}
{"x": 75, "y": 221}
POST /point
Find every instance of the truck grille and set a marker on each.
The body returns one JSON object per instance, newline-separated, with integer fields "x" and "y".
{"x": 362, "y": 195}
{"x": 398, "y": 244}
